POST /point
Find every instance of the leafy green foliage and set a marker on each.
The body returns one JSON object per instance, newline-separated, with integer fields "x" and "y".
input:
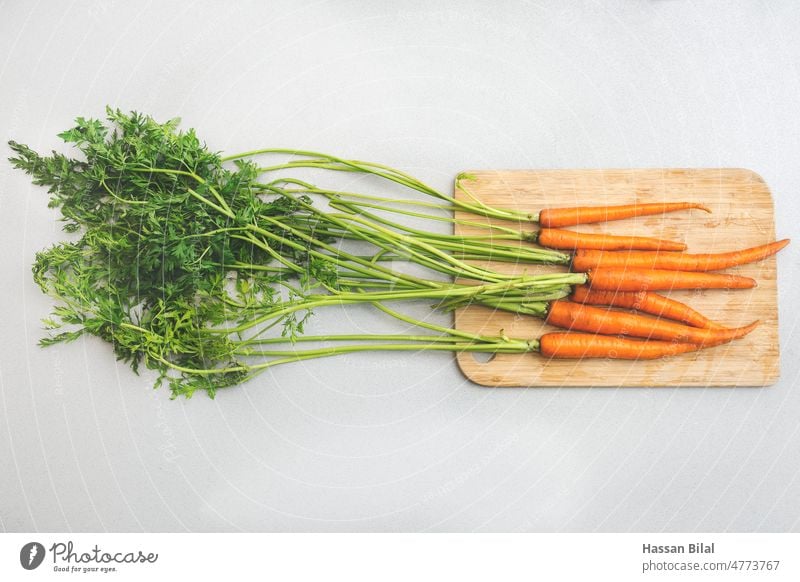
{"x": 162, "y": 226}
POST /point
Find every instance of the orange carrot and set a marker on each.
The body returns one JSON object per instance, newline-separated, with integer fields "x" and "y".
{"x": 558, "y": 217}
{"x": 586, "y": 345}
{"x": 566, "y": 239}
{"x": 590, "y": 259}
{"x": 622, "y": 279}
{"x": 577, "y": 317}
{"x": 646, "y": 302}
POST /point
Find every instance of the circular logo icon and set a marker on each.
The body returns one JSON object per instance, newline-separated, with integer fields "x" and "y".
{"x": 31, "y": 555}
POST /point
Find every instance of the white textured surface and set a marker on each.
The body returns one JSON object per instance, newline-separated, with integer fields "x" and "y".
{"x": 390, "y": 442}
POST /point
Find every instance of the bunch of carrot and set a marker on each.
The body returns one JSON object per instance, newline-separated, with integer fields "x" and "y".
{"x": 191, "y": 264}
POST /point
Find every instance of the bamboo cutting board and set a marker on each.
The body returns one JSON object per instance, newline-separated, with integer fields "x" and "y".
{"x": 742, "y": 216}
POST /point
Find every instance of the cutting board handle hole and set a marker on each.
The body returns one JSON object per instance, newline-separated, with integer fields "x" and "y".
{"x": 483, "y": 357}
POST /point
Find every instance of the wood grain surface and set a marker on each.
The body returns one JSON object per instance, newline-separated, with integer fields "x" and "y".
{"x": 742, "y": 216}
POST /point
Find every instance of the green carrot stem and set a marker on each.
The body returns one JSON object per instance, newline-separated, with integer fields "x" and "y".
{"x": 337, "y": 194}
{"x": 314, "y": 301}
{"x": 453, "y": 242}
{"x": 509, "y": 347}
{"x": 400, "y": 245}
{"x": 355, "y": 337}
{"x": 329, "y": 162}
{"x": 352, "y": 262}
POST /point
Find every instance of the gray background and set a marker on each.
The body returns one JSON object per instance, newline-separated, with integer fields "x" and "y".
{"x": 399, "y": 443}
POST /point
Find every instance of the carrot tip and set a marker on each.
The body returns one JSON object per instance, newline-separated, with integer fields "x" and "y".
{"x": 746, "y": 329}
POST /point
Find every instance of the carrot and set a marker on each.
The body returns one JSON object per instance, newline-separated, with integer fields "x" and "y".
{"x": 622, "y": 279}
{"x": 566, "y": 239}
{"x": 586, "y": 345}
{"x": 574, "y": 316}
{"x": 589, "y": 259}
{"x": 558, "y": 217}
{"x": 646, "y": 302}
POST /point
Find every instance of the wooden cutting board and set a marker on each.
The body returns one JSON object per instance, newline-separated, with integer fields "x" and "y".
{"x": 742, "y": 216}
